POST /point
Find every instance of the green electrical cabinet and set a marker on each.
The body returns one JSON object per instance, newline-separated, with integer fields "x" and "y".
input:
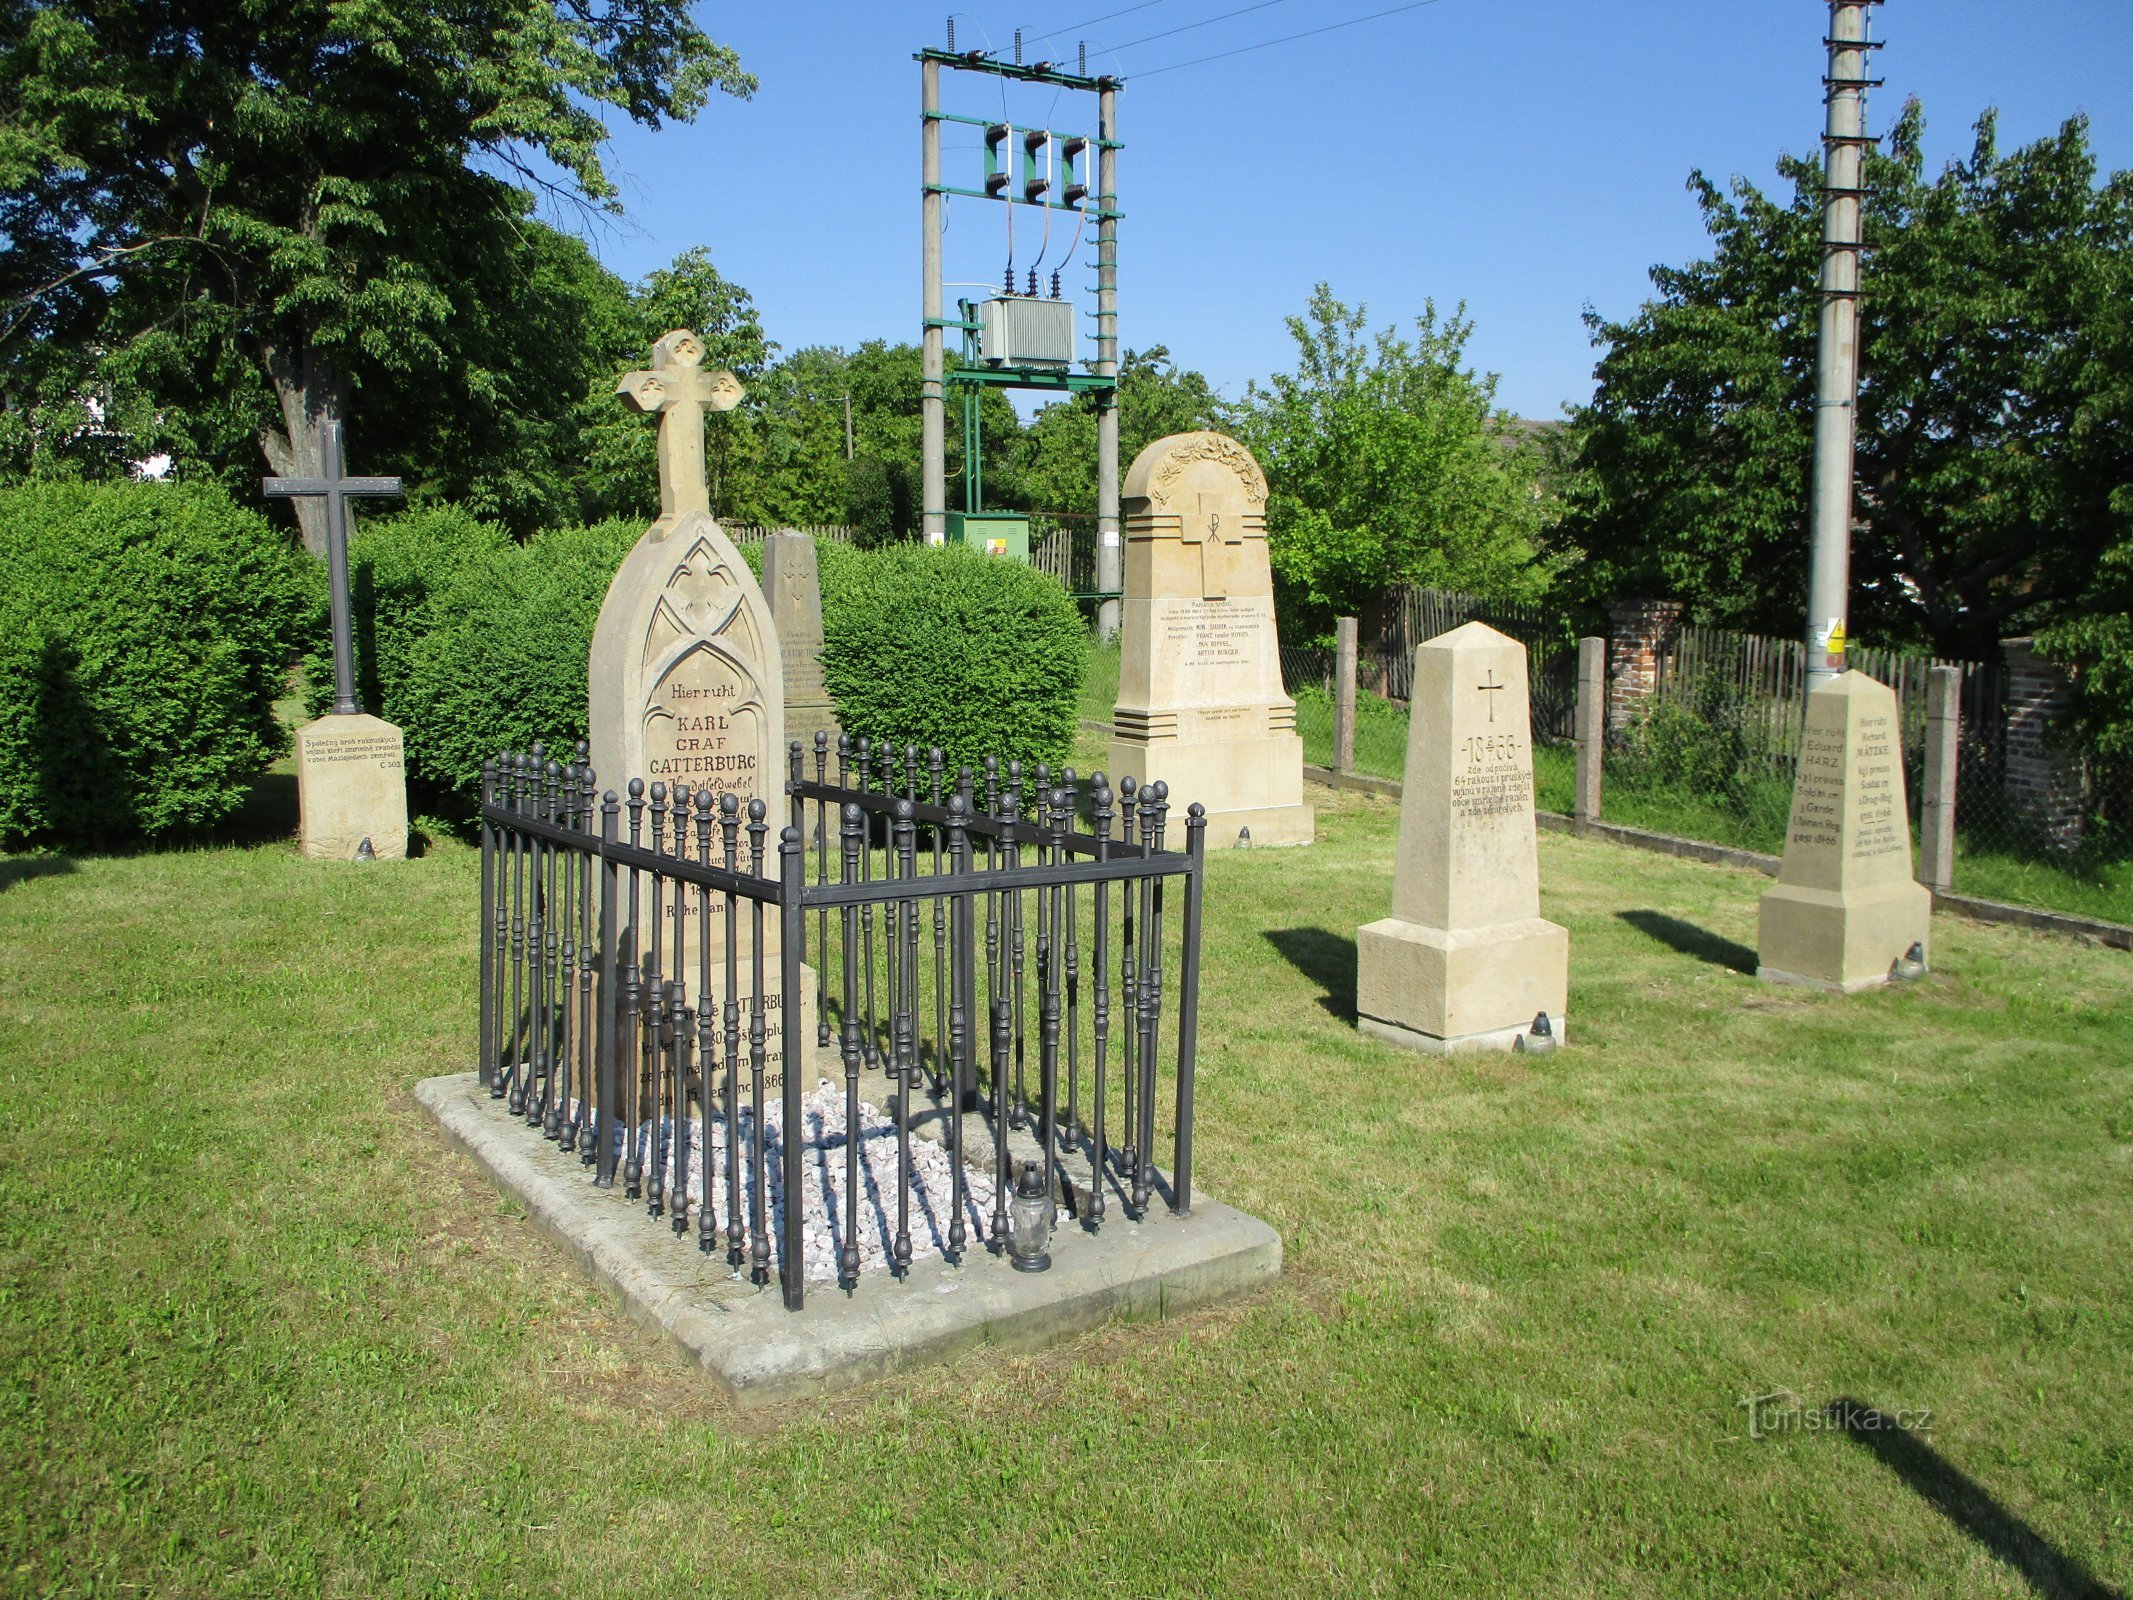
{"x": 993, "y": 533}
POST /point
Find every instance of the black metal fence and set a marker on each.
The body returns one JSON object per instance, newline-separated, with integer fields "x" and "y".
{"x": 643, "y": 958}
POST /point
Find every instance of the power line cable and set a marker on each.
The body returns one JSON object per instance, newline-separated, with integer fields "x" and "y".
{"x": 1205, "y": 22}
{"x": 1106, "y": 17}
{"x": 1268, "y": 44}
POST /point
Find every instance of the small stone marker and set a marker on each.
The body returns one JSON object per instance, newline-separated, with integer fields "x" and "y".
{"x": 1200, "y": 698}
{"x": 351, "y": 768}
{"x": 792, "y": 583}
{"x": 1845, "y": 906}
{"x": 1465, "y": 961}
{"x": 351, "y": 787}
{"x": 685, "y": 685}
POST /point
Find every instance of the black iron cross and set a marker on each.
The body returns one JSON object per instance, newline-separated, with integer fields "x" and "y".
{"x": 336, "y": 490}
{"x": 1491, "y": 687}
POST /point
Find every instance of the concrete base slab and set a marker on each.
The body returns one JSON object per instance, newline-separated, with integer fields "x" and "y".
{"x": 741, "y": 1333}
{"x": 1273, "y": 827}
{"x": 1496, "y": 1039}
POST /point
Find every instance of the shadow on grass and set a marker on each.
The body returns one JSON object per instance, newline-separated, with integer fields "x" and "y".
{"x": 1327, "y": 959}
{"x": 1691, "y": 940}
{"x": 1966, "y": 1503}
{"x": 24, "y": 868}
{"x": 268, "y": 813}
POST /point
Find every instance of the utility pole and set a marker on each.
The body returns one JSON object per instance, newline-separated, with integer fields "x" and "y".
{"x": 847, "y": 424}
{"x": 932, "y": 396}
{"x": 1110, "y": 552}
{"x": 1844, "y": 142}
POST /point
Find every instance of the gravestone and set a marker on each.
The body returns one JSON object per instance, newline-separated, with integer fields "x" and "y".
{"x": 1845, "y": 906}
{"x": 685, "y": 684}
{"x": 1200, "y": 699}
{"x": 792, "y": 583}
{"x": 351, "y": 789}
{"x": 351, "y": 767}
{"x": 1465, "y": 961}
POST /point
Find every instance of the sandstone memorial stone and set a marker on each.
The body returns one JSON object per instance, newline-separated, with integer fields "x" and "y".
{"x": 351, "y": 768}
{"x": 1845, "y": 907}
{"x": 1200, "y": 698}
{"x": 1465, "y": 961}
{"x": 351, "y": 789}
{"x": 685, "y": 683}
{"x": 792, "y": 582}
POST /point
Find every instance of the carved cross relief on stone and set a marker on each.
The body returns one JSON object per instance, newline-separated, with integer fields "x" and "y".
{"x": 678, "y": 389}
{"x": 1215, "y": 528}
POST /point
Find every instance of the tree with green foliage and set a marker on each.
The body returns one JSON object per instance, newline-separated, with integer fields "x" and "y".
{"x": 310, "y": 189}
{"x": 1995, "y": 412}
{"x": 1388, "y": 464}
{"x": 1156, "y": 398}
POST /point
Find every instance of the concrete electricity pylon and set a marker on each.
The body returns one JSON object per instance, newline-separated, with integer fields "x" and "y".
{"x": 1844, "y": 142}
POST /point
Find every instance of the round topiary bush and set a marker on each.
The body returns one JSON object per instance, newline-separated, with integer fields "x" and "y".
{"x": 943, "y": 646}
{"x": 145, "y": 634}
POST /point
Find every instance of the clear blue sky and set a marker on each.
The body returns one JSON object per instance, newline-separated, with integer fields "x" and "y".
{"x": 1525, "y": 156}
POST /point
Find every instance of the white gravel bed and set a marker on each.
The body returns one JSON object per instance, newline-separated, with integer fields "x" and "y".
{"x": 823, "y": 1160}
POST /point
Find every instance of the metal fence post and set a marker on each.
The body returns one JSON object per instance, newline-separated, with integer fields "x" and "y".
{"x": 487, "y": 1051}
{"x": 792, "y": 917}
{"x": 1936, "y": 808}
{"x": 1591, "y": 727}
{"x": 1189, "y": 1003}
{"x": 1344, "y": 694}
{"x": 607, "y": 1122}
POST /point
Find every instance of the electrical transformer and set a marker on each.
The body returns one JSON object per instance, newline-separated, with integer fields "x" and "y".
{"x": 1022, "y": 331}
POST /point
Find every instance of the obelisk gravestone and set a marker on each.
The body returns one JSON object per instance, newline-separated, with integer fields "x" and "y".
{"x": 792, "y": 583}
{"x": 1200, "y": 698}
{"x": 1465, "y": 961}
{"x": 351, "y": 767}
{"x": 685, "y": 684}
{"x": 1845, "y": 908}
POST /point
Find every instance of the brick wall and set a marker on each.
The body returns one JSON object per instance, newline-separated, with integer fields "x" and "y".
{"x": 1641, "y": 631}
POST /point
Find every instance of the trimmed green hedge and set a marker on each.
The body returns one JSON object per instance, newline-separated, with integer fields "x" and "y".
{"x": 145, "y": 633}
{"x": 473, "y": 644}
{"x": 498, "y": 653}
{"x": 944, "y": 646}
{"x": 394, "y": 565}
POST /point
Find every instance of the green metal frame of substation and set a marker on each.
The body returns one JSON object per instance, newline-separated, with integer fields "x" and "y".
{"x": 972, "y": 379}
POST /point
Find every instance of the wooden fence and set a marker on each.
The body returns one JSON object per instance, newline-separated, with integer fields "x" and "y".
{"x": 1765, "y": 679}
{"x": 1415, "y": 614}
{"x": 754, "y": 532}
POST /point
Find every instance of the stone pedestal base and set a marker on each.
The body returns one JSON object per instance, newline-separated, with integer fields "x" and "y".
{"x": 351, "y": 786}
{"x": 1841, "y": 940}
{"x": 1243, "y": 783}
{"x": 1463, "y": 989}
{"x": 1270, "y": 826}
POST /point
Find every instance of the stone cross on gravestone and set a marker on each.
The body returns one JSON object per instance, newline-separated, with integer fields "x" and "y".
{"x": 337, "y": 490}
{"x": 679, "y": 390}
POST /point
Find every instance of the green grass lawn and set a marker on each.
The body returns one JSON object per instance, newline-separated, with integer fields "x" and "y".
{"x": 261, "y": 1333}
